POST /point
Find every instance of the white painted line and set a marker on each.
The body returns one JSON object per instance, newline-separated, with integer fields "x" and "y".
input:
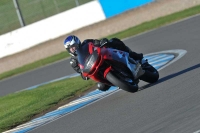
{"x": 179, "y": 52}
{"x": 197, "y": 131}
{"x": 161, "y": 59}
{"x": 83, "y": 100}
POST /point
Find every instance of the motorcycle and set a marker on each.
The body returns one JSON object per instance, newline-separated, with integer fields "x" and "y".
{"x": 114, "y": 67}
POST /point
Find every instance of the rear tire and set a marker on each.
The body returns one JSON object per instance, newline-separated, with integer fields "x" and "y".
{"x": 130, "y": 87}
{"x": 151, "y": 75}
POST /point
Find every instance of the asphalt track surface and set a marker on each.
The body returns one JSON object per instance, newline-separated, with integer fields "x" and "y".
{"x": 169, "y": 106}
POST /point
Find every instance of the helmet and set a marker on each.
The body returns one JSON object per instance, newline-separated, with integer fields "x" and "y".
{"x": 72, "y": 41}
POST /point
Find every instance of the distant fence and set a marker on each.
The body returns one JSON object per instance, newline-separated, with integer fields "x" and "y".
{"x": 61, "y": 24}
{"x": 50, "y": 28}
{"x": 32, "y": 11}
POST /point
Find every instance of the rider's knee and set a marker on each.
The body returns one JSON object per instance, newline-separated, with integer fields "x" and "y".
{"x": 102, "y": 86}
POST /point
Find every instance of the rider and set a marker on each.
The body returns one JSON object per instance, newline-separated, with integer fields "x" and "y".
{"x": 72, "y": 43}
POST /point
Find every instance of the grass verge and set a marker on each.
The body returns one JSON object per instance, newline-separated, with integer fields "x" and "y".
{"x": 146, "y": 26}
{"x": 123, "y": 34}
{"x": 20, "y": 107}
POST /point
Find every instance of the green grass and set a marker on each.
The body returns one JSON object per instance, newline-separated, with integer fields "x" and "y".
{"x": 32, "y": 11}
{"x": 22, "y": 106}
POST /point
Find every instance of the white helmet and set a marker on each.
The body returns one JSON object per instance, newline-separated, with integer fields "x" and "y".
{"x": 72, "y": 41}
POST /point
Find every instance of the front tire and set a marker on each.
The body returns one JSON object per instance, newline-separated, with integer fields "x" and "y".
{"x": 117, "y": 81}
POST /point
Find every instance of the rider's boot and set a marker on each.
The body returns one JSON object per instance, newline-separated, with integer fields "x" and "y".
{"x": 134, "y": 55}
{"x": 139, "y": 57}
{"x": 144, "y": 63}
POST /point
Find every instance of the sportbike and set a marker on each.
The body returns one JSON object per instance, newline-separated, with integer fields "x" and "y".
{"x": 114, "y": 67}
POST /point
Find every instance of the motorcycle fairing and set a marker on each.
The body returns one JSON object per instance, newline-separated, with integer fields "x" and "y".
{"x": 91, "y": 59}
{"x": 123, "y": 57}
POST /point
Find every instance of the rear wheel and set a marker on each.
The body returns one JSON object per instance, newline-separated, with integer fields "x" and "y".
{"x": 151, "y": 75}
{"x": 121, "y": 82}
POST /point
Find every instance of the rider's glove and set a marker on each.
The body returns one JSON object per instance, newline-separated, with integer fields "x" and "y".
{"x": 103, "y": 42}
{"x": 74, "y": 64}
{"x": 96, "y": 43}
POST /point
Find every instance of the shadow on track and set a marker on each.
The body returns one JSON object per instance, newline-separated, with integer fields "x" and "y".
{"x": 170, "y": 77}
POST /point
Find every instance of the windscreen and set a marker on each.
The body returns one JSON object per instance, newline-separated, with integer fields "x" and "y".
{"x": 83, "y": 53}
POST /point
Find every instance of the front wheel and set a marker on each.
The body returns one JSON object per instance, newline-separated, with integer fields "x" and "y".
{"x": 121, "y": 82}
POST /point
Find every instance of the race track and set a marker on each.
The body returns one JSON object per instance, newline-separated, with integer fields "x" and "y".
{"x": 169, "y": 106}
{"x": 35, "y": 77}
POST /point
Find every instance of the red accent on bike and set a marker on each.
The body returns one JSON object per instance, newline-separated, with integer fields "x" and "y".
{"x": 91, "y": 47}
{"x": 93, "y": 74}
{"x": 94, "y": 71}
{"x": 106, "y": 71}
{"x": 84, "y": 74}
